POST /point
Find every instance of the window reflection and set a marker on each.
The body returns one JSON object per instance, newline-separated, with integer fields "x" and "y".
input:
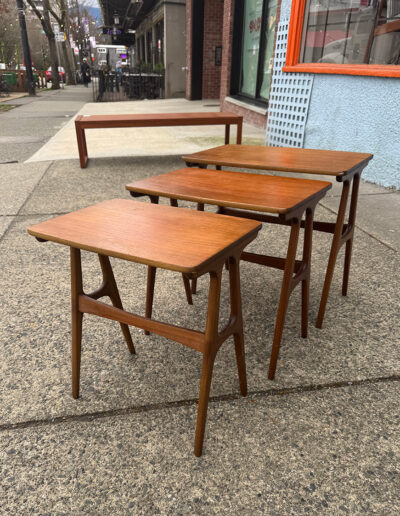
{"x": 354, "y": 32}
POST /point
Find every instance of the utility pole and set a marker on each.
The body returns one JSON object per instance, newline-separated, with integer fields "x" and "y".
{"x": 25, "y": 46}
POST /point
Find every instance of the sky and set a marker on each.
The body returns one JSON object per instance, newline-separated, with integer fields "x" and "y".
{"x": 91, "y": 3}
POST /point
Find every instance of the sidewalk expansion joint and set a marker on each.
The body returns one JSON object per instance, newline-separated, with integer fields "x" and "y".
{"x": 82, "y": 418}
{"x": 39, "y": 214}
{"x": 363, "y": 230}
{"x": 26, "y": 200}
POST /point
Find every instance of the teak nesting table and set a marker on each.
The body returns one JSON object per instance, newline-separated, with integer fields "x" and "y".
{"x": 243, "y": 194}
{"x": 346, "y": 167}
{"x": 83, "y": 122}
{"x": 186, "y": 241}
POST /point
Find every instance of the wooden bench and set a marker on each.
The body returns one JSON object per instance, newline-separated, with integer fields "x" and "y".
{"x": 83, "y": 122}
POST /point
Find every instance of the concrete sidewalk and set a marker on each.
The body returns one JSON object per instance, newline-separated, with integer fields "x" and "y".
{"x": 144, "y": 141}
{"x": 322, "y": 438}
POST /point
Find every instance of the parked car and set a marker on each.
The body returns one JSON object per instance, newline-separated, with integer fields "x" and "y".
{"x": 61, "y": 72}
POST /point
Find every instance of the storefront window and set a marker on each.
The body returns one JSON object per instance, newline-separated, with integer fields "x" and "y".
{"x": 345, "y": 31}
{"x": 355, "y": 37}
{"x": 160, "y": 41}
{"x": 255, "y": 30}
{"x": 251, "y": 46}
{"x": 269, "y": 48}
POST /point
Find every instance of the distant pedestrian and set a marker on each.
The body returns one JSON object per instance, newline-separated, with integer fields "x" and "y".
{"x": 85, "y": 71}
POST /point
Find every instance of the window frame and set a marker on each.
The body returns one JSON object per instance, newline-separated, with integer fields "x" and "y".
{"x": 293, "y": 64}
{"x": 237, "y": 50}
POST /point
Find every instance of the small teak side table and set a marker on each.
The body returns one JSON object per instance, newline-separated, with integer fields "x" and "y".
{"x": 193, "y": 243}
{"x": 241, "y": 194}
{"x": 346, "y": 167}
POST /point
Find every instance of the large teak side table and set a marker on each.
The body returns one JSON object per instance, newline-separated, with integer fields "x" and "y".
{"x": 346, "y": 167}
{"x": 241, "y": 194}
{"x": 189, "y": 242}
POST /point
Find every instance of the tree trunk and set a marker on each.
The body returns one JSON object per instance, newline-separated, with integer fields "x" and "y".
{"x": 55, "y": 78}
{"x": 66, "y": 49}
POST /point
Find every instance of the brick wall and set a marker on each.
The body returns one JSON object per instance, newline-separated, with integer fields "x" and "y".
{"x": 227, "y": 32}
{"x": 213, "y": 15}
{"x": 218, "y": 78}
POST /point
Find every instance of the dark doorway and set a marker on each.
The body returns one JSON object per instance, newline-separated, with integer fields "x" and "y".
{"x": 197, "y": 49}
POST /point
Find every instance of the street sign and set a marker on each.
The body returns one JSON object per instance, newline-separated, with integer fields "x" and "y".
{"x": 60, "y": 36}
{"x": 56, "y": 28}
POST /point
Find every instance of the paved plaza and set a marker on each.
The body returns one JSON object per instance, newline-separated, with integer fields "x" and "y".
{"x": 323, "y": 437}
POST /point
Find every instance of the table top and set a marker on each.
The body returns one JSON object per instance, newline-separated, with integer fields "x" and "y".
{"x": 164, "y": 118}
{"x": 256, "y": 192}
{"x": 171, "y": 238}
{"x": 285, "y": 159}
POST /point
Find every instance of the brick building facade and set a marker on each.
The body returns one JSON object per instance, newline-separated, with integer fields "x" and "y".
{"x": 246, "y": 32}
{"x": 213, "y": 16}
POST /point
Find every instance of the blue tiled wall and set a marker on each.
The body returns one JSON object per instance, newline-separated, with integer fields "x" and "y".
{"x": 356, "y": 113}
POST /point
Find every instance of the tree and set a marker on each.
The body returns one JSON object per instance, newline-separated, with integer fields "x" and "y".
{"x": 62, "y": 18}
{"x": 10, "y": 39}
{"x": 44, "y": 18}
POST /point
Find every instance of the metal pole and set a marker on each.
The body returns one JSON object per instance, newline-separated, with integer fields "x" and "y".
{"x": 25, "y": 46}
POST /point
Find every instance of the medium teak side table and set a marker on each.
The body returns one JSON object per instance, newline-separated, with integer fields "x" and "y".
{"x": 241, "y": 194}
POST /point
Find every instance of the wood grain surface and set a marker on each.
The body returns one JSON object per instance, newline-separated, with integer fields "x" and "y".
{"x": 310, "y": 161}
{"x": 157, "y": 119}
{"x": 161, "y": 236}
{"x": 255, "y": 192}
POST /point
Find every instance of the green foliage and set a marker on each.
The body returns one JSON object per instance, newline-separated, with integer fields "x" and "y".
{"x": 159, "y": 68}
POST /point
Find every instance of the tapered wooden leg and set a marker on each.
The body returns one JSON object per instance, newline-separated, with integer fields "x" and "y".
{"x": 211, "y": 336}
{"x": 151, "y": 278}
{"x": 188, "y": 289}
{"x": 227, "y": 134}
{"x": 236, "y": 312}
{"x": 81, "y": 140}
{"x": 336, "y": 240}
{"x": 284, "y": 299}
{"x": 113, "y": 293}
{"x": 346, "y": 270}
{"x": 239, "y": 132}
{"x": 351, "y": 225}
{"x": 77, "y": 317}
{"x": 305, "y": 284}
